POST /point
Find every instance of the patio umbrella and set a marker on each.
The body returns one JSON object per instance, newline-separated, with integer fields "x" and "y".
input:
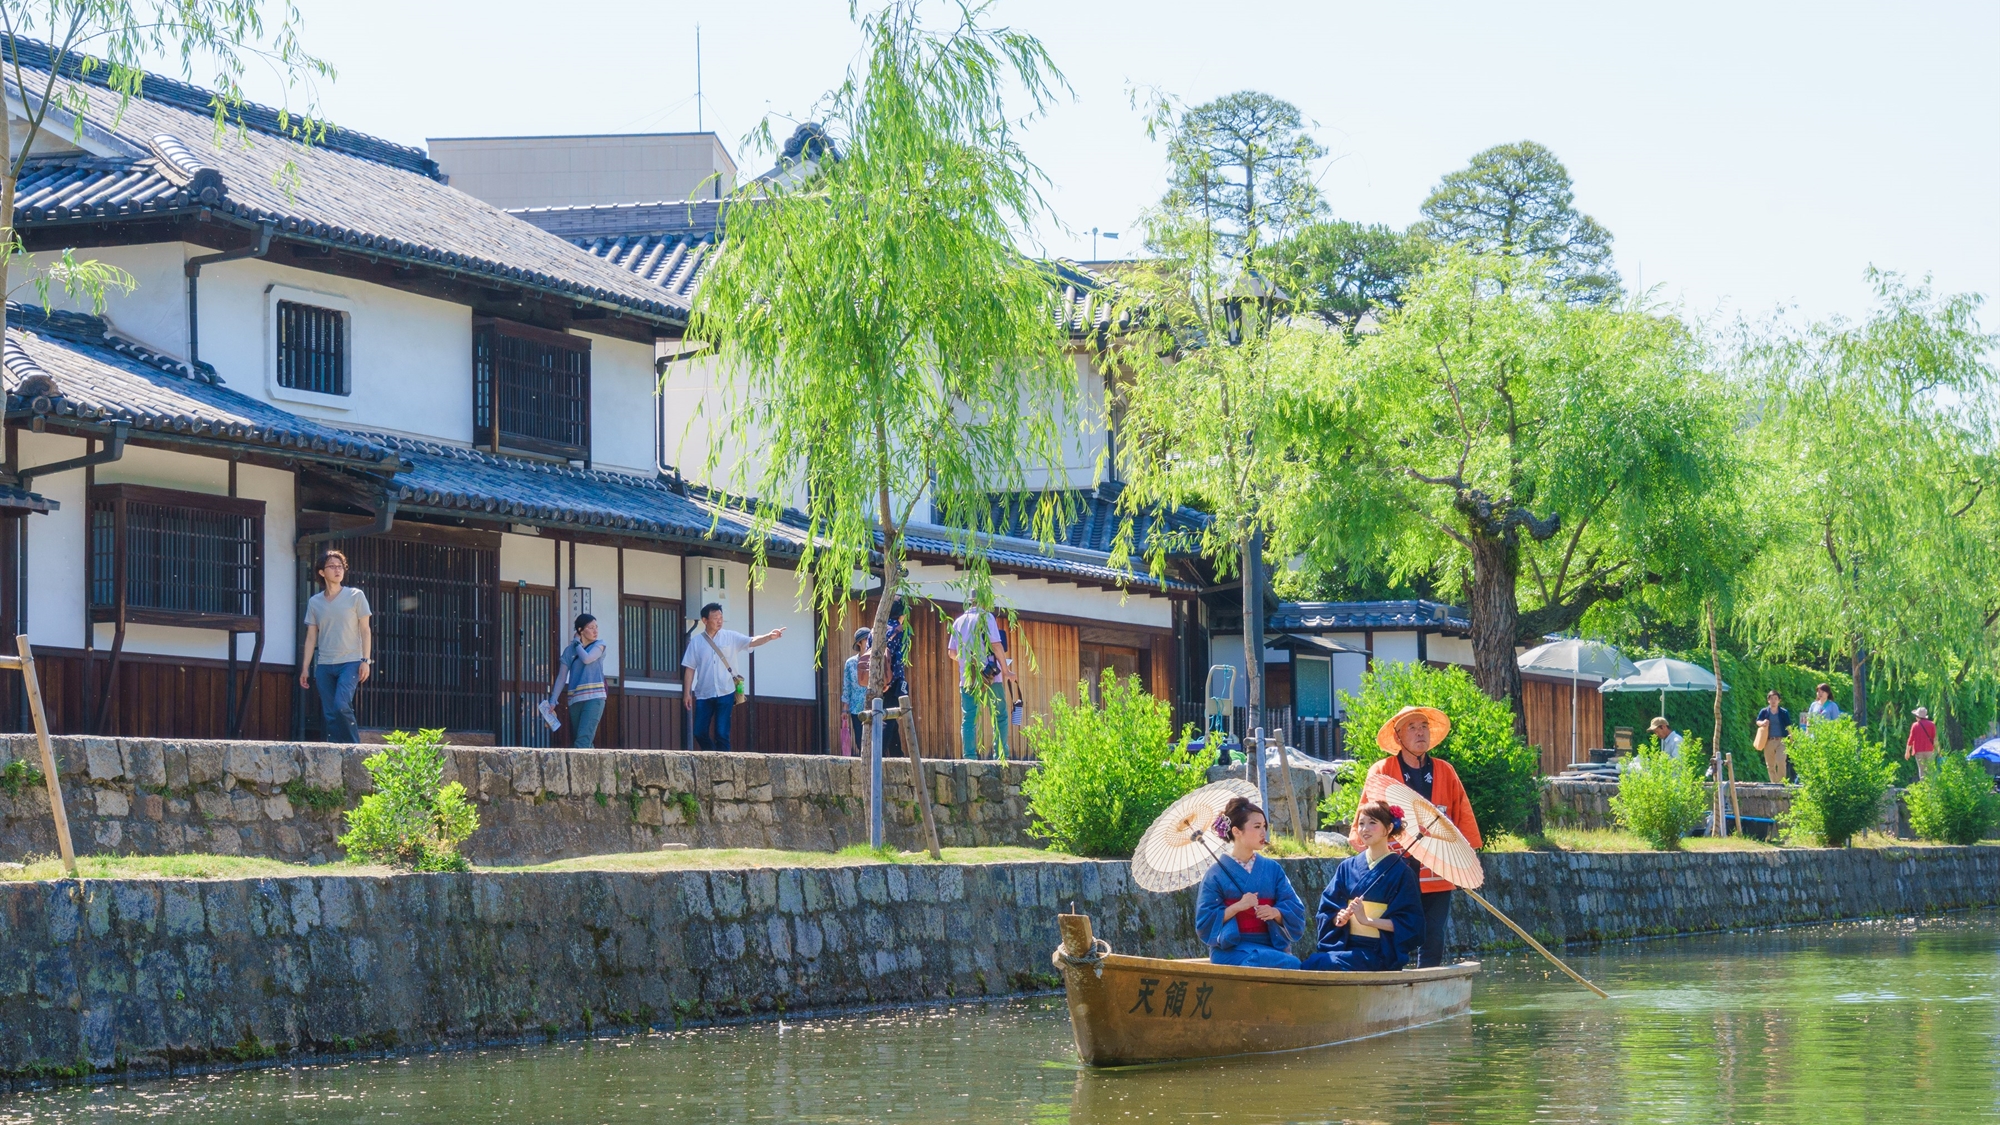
{"x": 1987, "y": 751}
{"x": 1179, "y": 847}
{"x": 1664, "y": 674}
{"x": 1576, "y": 658}
{"x": 1429, "y": 836}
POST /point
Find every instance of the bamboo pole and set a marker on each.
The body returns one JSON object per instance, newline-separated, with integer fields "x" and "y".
{"x": 907, "y": 723}
{"x": 1735, "y": 803}
{"x": 48, "y": 754}
{"x": 876, "y": 720}
{"x": 1292, "y": 794}
{"x": 1529, "y": 938}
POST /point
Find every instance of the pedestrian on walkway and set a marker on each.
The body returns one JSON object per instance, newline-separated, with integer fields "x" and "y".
{"x": 337, "y": 633}
{"x": 979, "y": 650}
{"x": 1774, "y": 725}
{"x": 854, "y": 691}
{"x": 711, "y": 684}
{"x": 1670, "y": 739}
{"x": 1823, "y": 706}
{"x": 581, "y": 668}
{"x": 1922, "y": 743}
{"x": 898, "y": 679}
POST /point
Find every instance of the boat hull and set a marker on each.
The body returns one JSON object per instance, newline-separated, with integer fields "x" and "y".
{"x": 1131, "y": 1010}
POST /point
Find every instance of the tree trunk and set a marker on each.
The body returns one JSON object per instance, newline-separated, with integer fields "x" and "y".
{"x": 1253, "y": 633}
{"x": 1859, "y": 667}
{"x": 1715, "y": 668}
{"x": 1496, "y": 615}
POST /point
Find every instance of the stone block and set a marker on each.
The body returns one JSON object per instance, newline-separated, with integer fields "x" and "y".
{"x": 145, "y": 761}
{"x": 524, "y": 767}
{"x": 104, "y": 761}
{"x": 113, "y": 803}
{"x": 278, "y": 807}
{"x": 204, "y": 763}
{"x": 554, "y": 768}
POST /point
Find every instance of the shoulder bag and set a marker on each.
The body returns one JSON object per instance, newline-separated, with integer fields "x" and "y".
{"x": 710, "y": 638}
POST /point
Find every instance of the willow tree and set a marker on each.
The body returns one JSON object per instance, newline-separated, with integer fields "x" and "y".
{"x": 1539, "y": 455}
{"x": 96, "y": 51}
{"x": 1883, "y": 453}
{"x": 885, "y": 342}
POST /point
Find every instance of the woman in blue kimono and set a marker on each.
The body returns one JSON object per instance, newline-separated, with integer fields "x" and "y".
{"x": 1247, "y": 912}
{"x": 1375, "y": 890}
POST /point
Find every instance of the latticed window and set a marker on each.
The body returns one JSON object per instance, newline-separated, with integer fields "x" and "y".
{"x": 530, "y": 389}
{"x": 312, "y": 348}
{"x": 163, "y": 557}
{"x": 649, "y": 639}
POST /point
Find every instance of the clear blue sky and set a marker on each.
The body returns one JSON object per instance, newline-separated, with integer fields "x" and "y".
{"x": 1747, "y": 155}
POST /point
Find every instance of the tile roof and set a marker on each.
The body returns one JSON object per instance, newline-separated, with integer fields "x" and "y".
{"x": 664, "y": 244}
{"x": 71, "y": 364}
{"x": 352, "y": 191}
{"x": 457, "y": 481}
{"x": 1026, "y": 557}
{"x": 13, "y": 499}
{"x": 1334, "y": 617}
{"x": 1095, "y": 520}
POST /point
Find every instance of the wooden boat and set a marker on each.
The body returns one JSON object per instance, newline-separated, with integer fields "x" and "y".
{"x": 1126, "y": 1010}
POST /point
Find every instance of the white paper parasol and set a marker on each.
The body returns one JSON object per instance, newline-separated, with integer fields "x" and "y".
{"x": 1433, "y": 840}
{"x": 1181, "y": 845}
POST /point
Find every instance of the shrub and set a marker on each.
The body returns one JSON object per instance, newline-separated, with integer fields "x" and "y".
{"x": 1661, "y": 799}
{"x": 412, "y": 819}
{"x": 1842, "y": 777}
{"x": 1106, "y": 772}
{"x": 1956, "y": 803}
{"x": 1498, "y": 769}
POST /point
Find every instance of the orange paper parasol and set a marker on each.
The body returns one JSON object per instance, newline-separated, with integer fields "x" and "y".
{"x": 1433, "y": 840}
{"x": 1181, "y": 845}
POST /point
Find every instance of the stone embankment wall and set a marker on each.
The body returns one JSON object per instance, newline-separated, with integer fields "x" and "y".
{"x": 151, "y": 975}
{"x": 136, "y": 796}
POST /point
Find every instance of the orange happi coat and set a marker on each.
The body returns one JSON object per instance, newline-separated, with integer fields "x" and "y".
{"x": 1447, "y": 793}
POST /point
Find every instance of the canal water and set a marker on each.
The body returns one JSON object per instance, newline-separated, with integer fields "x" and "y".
{"x": 1889, "y": 1022}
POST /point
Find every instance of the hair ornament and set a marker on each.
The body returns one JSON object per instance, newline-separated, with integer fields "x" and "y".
{"x": 1220, "y": 828}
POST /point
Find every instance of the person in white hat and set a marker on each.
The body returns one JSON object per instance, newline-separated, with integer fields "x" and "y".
{"x": 1922, "y": 743}
{"x": 1408, "y": 737}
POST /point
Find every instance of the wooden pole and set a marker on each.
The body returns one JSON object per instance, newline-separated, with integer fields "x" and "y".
{"x": 1291, "y": 794}
{"x": 1529, "y": 938}
{"x": 1735, "y": 803}
{"x": 919, "y": 780}
{"x": 48, "y": 754}
{"x": 875, "y": 775}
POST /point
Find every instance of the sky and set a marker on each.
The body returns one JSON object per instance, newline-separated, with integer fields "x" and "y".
{"x": 1750, "y": 158}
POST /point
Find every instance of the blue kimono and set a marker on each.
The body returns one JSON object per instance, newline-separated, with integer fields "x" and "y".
{"x": 1247, "y": 939}
{"x": 1389, "y": 882}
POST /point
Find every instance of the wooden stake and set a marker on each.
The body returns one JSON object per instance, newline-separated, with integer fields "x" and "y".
{"x": 48, "y": 754}
{"x": 1525, "y": 936}
{"x": 1734, "y": 802}
{"x": 1291, "y": 794}
{"x": 918, "y": 779}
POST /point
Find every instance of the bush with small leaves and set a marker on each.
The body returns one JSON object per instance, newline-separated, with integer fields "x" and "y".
{"x": 1955, "y": 803}
{"x": 413, "y": 819}
{"x": 1104, "y": 773}
{"x": 1661, "y": 799}
{"x": 1842, "y": 777}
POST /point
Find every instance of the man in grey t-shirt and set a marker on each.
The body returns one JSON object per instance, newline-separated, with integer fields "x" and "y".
{"x": 712, "y": 665}
{"x": 337, "y": 630}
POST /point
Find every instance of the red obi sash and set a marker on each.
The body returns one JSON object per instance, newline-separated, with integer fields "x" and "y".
{"x": 1248, "y": 922}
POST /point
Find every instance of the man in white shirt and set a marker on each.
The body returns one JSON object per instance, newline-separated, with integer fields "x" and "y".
{"x": 712, "y": 670}
{"x": 979, "y": 650}
{"x": 1670, "y": 739}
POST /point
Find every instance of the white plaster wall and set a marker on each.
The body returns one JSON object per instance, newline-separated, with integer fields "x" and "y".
{"x": 787, "y": 668}
{"x": 622, "y": 414}
{"x": 597, "y": 569}
{"x": 1347, "y": 670}
{"x": 1450, "y": 650}
{"x": 56, "y": 546}
{"x": 652, "y": 575}
{"x": 1399, "y": 648}
{"x": 1036, "y": 595}
{"x": 527, "y": 558}
{"x": 693, "y": 406}
{"x": 1084, "y": 435}
{"x": 154, "y": 313}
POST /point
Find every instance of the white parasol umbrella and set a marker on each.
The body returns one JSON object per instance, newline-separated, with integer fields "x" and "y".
{"x": 1664, "y": 674}
{"x": 1180, "y": 846}
{"x": 1576, "y": 658}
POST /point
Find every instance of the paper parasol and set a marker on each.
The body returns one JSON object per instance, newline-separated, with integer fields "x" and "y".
{"x": 1181, "y": 846}
{"x": 1430, "y": 837}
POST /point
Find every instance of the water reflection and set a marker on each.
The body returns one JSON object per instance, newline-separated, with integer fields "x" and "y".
{"x": 1886, "y": 1022}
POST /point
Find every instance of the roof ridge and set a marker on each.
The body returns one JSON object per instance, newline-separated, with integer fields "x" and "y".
{"x": 37, "y": 55}
{"x": 435, "y": 448}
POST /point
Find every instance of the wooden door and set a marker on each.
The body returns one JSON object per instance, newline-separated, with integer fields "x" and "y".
{"x": 527, "y": 662}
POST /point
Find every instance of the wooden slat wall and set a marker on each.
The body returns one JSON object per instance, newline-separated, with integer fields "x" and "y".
{"x": 161, "y": 696}
{"x": 642, "y": 721}
{"x": 1049, "y": 666}
{"x": 1160, "y": 677}
{"x": 1548, "y": 713}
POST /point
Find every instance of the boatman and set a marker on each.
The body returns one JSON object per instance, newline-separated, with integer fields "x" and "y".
{"x": 1408, "y": 737}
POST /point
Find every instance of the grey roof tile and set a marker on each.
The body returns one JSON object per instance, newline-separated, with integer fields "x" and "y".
{"x": 15, "y": 499}
{"x": 1095, "y": 520}
{"x": 1308, "y": 617}
{"x": 98, "y": 377}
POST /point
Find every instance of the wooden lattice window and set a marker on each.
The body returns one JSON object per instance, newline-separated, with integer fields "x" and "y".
{"x": 530, "y": 389}
{"x": 163, "y": 557}
{"x": 649, "y": 639}
{"x": 312, "y": 348}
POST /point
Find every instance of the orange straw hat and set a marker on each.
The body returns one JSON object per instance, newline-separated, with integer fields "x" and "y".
{"x": 1439, "y": 724}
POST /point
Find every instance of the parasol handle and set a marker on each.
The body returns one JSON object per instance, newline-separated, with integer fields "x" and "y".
{"x": 1529, "y": 938}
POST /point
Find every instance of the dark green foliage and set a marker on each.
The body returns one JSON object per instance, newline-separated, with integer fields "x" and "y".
{"x": 412, "y": 819}
{"x": 1341, "y": 271}
{"x": 1105, "y": 772}
{"x": 690, "y": 807}
{"x": 1842, "y": 777}
{"x": 18, "y": 775}
{"x": 1956, "y": 804}
{"x": 1498, "y": 769}
{"x": 1662, "y": 799}
{"x": 1694, "y": 711}
{"x": 314, "y": 798}
{"x": 1516, "y": 200}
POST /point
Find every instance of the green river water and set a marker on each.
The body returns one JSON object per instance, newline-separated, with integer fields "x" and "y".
{"x": 1894, "y": 1022}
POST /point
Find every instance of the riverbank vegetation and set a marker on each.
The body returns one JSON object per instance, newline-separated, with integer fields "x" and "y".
{"x": 1105, "y": 770}
{"x": 414, "y": 818}
{"x": 1660, "y": 798}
